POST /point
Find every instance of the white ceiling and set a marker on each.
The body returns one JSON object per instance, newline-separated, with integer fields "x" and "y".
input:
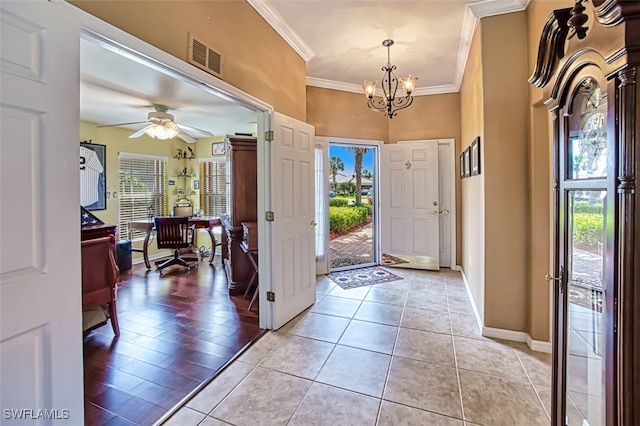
{"x": 340, "y": 40}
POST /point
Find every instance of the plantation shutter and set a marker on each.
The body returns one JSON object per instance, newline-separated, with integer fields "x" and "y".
{"x": 213, "y": 187}
{"x": 143, "y": 190}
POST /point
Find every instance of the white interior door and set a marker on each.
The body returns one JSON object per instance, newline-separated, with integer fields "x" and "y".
{"x": 292, "y": 231}
{"x": 409, "y": 205}
{"x": 40, "y": 289}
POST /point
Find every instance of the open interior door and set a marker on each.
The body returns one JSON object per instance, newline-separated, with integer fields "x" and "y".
{"x": 40, "y": 290}
{"x": 292, "y": 191}
{"x": 409, "y": 209}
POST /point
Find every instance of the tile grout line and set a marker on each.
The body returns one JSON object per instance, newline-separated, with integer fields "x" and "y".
{"x": 455, "y": 358}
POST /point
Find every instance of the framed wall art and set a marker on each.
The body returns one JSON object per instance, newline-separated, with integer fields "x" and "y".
{"x": 93, "y": 176}
{"x": 475, "y": 156}
{"x": 467, "y": 162}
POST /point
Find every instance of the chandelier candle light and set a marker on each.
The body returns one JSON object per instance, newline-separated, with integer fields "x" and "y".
{"x": 389, "y": 104}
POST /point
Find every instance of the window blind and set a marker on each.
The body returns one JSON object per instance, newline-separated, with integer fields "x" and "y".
{"x": 143, "y": 191}
{"x": 213, "y": 187}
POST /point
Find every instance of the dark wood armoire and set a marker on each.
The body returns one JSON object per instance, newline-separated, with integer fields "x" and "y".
{"x": 588, "y": 68}
{"x": 242, "y": 206}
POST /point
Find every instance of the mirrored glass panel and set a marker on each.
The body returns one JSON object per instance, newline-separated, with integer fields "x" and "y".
{"x": 587, "y": 141}
{"x": 585, "y": 333}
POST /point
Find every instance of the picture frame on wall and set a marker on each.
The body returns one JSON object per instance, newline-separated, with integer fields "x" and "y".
{"x": 475, "y": 156}
{"x": 462, "y": 165}
{"x": 93, "y": 176}
{"x": 467, "y": 162}
{"x": 217, "y": 148}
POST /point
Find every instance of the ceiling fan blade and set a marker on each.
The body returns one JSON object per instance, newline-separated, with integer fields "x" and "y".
{"x": 185, "y": 137}
{"x": 195, "y": 129}
{"x": 139, "y": 132}
{"x": 121, "y": 124}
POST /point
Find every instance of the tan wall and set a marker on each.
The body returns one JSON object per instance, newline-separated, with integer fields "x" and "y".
{"x": 429, "y": 117}
{"x": 504, "y": 58}
{"x": 336, "y": 113}
{"x": 471, "y": 227}
{"x": 256, "y": 59}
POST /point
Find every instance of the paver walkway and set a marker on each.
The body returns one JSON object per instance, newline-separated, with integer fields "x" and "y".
{"x": 354, "y": 248}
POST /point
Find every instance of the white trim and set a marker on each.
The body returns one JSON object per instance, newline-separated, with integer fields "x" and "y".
{"x": 357, "y": 88}
{"x": 265, "y": 237}
{"x": 539, "y": 345}
{"x": 473, "y": 302}
{"x": 469, "y": 24}
{"x": 212, "y": 159}
{"x": 499, "y": 333}
{"x": 328, "y": 139}
{"x": 278, "y": 23}
{"x": 322, "y": 265}
{"x": 452, "y": 195}
{"x": 486, "y": 8}
{"x": 137, "y": 156}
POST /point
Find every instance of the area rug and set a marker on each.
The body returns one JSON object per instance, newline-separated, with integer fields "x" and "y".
{"x": 355, "y": 278}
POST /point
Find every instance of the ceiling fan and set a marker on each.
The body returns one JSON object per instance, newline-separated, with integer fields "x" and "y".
{"x": 162, "y": 126}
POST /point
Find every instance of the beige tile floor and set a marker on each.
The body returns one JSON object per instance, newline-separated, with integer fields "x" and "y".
{"x": 407, "y": 352}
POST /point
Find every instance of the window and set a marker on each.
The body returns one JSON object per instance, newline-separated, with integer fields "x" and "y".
{"x": 143, "y": 190}
{"x": 213, "y": 187}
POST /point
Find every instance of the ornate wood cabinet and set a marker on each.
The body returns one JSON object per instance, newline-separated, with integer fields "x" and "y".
{"x": 588, "y": 66}
{"x": 242, "y": 206}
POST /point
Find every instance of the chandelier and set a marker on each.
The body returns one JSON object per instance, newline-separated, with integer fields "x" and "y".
{"x": 389, "y": 104}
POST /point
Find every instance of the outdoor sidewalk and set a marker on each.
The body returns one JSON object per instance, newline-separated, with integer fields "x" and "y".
{"x": 354, "y": 248}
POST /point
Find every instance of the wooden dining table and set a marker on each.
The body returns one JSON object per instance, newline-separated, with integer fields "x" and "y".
{"x": 201, "y": 222}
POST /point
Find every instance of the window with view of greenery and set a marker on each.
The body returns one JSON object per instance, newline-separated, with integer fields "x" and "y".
{"x": 213, "y": 187}
{"x": 143, "y": 190}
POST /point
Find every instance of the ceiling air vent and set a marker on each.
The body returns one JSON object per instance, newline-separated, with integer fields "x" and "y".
{"x": 204, "y": 57}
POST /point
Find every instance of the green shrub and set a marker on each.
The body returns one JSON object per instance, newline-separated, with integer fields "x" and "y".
{"x": 587, "y": 230}
{"x": 587, "y": 207}
{"x": 342, "y": 219}
{"x": 338, "y": 202}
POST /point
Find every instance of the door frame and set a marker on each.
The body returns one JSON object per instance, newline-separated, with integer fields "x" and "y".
{"x": 326, "y": 140}
{"x": 110, "y": 37}
{"x": 451, "y": 199}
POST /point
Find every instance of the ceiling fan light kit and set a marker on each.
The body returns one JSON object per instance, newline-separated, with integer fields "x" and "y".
{"x": 162, "y": 126}
{"x": 388, "y": 103}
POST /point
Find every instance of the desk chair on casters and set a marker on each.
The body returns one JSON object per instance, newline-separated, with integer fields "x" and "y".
{"x": 174, "y": 233}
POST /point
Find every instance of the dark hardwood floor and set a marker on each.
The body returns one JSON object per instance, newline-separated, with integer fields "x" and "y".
{"x": 176, "y": 331}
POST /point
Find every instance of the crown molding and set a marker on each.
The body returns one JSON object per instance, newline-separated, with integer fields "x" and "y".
{"x": 469, "y": 24}
{"x": 276, "y": 21}
{"x": 355, "y": 88}
{"x": 486, "y": 8}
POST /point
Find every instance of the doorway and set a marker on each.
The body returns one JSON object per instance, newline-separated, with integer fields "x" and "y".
{"x": 352, "y": 205}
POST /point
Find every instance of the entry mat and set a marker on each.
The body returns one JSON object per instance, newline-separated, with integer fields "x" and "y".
{"x": 354, "y": 278}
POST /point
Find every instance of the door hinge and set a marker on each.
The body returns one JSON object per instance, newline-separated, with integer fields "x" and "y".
{"x": 269, "y": 216}
{"x": 271, "y": 296}
{"x": 268, "y": 136}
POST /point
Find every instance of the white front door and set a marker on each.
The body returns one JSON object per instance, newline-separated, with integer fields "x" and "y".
{"x": 409, "y": 205}
{"x": 40, "y": 288}
{"x": 292, "y": 231}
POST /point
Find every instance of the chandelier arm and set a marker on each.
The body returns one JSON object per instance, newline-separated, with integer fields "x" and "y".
{"x": 388, "y": 103}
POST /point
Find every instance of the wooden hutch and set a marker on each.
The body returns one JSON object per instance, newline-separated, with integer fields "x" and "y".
{"x": 588, "y": 68}
{"x": 242, "y": 206}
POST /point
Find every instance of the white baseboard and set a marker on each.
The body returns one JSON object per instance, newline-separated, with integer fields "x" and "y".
{"x": 498, "y": 333}
{"x": 539, "y": 345}
{"x": 473, "y": 302}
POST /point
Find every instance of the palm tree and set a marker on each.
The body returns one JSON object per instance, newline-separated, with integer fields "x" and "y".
{"x": 359, "y": 154}
{"x": 335, "y": 165}
{"x": 367, "y": 174}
